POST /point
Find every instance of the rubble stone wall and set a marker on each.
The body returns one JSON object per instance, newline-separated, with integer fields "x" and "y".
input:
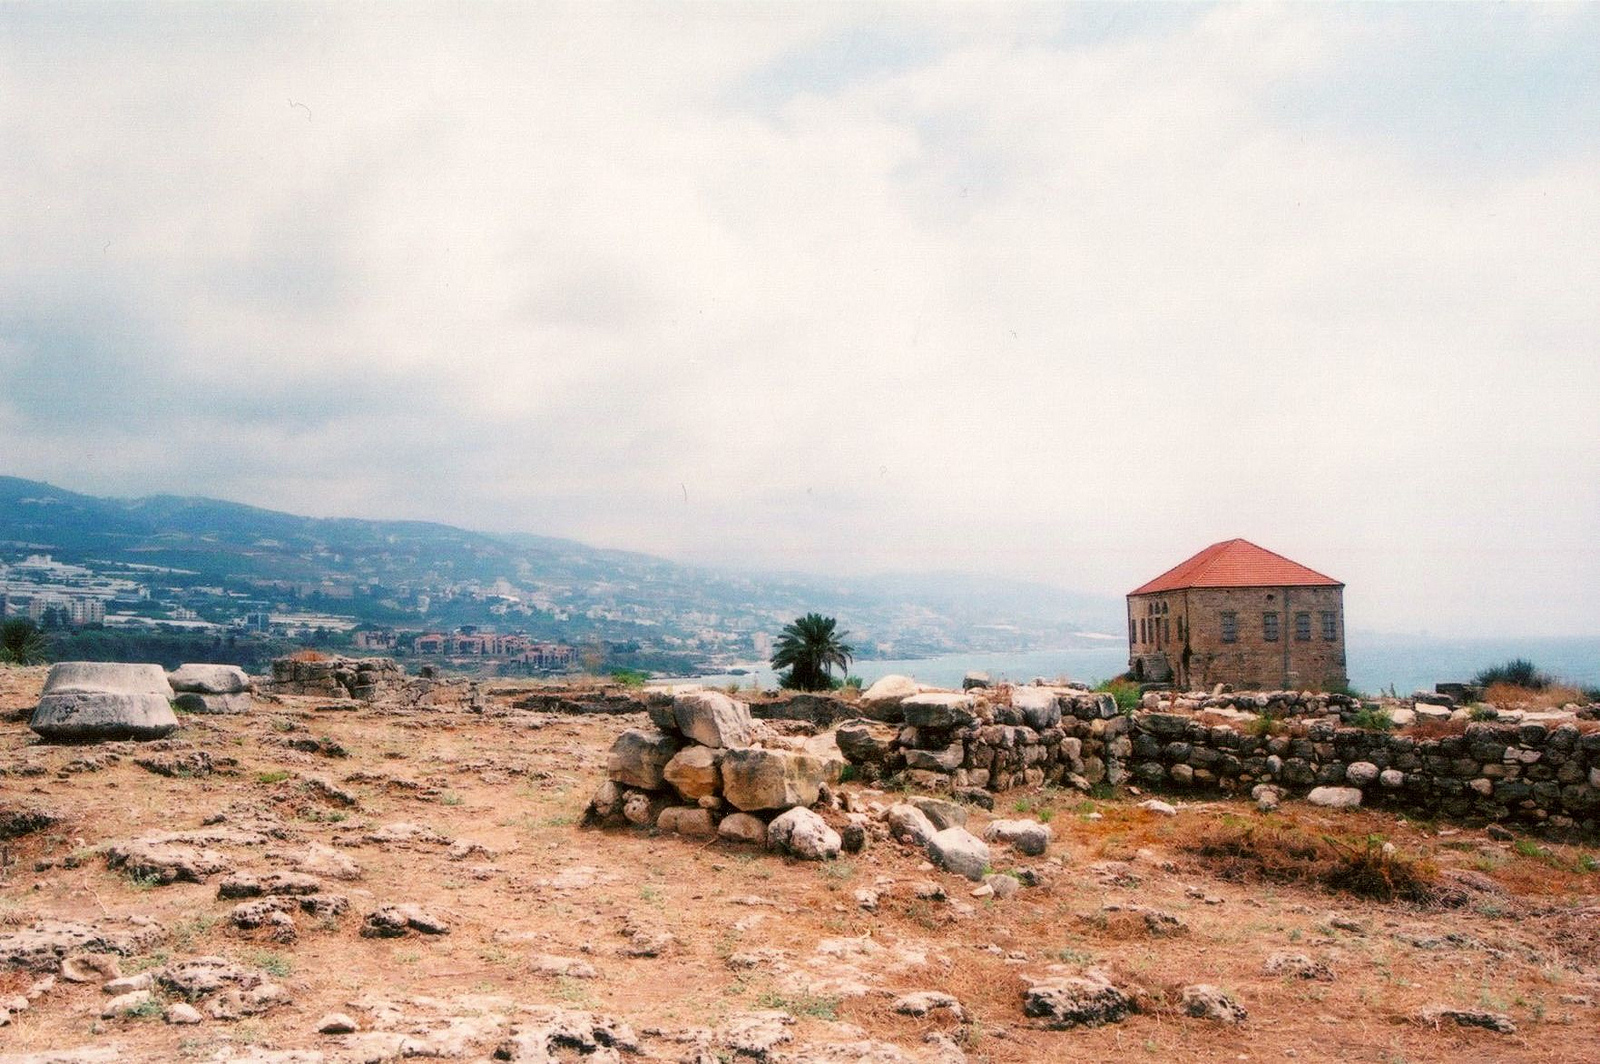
{"x": 1536, "y": 775}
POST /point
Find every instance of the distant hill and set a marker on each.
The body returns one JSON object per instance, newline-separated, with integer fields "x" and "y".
{"x": 615, "y": 594}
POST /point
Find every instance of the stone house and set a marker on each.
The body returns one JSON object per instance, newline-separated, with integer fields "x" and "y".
{"x": 1238, "y": 614}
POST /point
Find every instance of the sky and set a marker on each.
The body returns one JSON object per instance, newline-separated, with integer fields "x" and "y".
{"x": 1061, "y": 293}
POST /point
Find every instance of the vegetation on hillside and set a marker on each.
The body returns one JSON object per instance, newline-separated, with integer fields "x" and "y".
{"x": 809, "y": 648}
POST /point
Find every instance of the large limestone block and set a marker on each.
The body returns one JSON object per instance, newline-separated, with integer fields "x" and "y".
{"x": 1039, "y": 706}
{"x": 639, "y": 757}
{"x": 209, "y": 679}
{"x": 958, "y": 850}
{"x": 865, "y": 740}
{"x": 712, "y": 718}
{"x": 890, "y": 689}
{"x": 693, "y": 771}
{"x": 938, "y": 710}
{"x": 91, "y": 702}
{"x": 825, "y": 748}
{"x": 753, "y": 778}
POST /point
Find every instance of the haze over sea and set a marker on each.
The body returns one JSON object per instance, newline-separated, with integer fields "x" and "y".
{"x": 1377, "y": 662}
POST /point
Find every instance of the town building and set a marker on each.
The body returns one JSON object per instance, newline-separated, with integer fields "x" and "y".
{"x": 1238, "y": 614}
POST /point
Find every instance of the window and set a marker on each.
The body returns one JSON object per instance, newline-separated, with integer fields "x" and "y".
{"x": 1133, "y": 630}
{"x": 1330, "y": 625}
{"x": 1143, "y": 629}
{"x": 1230, "y": 626}
{"x": 1302, "y": 627}
{"x": 1166, "y": 629}
{"x": 1269, "y": 626}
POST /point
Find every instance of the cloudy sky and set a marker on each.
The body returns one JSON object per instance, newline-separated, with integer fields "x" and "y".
{"x": 1063, "y": 293}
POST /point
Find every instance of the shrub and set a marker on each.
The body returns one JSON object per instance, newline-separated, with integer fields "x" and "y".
{"x": 21, "y": 642}
{"x": 1373, "y": 718}
{"x": 1519, "y": 672}
{"x": 630, "y": 677}
{"x": 1123, "y": 690}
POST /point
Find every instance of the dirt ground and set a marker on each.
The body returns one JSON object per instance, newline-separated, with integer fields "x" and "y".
{"x": 684, "y": 939}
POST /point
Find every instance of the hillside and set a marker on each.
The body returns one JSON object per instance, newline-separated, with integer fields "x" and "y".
{"x": 423, "y": 574}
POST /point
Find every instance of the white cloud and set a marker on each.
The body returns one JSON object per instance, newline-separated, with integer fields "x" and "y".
{"x": 1019, "y": 290}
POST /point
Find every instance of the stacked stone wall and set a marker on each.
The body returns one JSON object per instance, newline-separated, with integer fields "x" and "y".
{"x": 1538, "y": 775}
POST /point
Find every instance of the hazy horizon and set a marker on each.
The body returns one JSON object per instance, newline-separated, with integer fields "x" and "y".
{"x": 1056, "y": 294}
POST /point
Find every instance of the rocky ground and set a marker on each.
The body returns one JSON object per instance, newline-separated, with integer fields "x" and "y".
{"x": 328, "y": 880}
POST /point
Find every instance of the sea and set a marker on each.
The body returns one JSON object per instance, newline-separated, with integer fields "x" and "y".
{"x": 1377, "y": 663}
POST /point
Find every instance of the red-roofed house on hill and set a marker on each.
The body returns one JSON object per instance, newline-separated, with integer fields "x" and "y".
{"x": 1239, "y": 614}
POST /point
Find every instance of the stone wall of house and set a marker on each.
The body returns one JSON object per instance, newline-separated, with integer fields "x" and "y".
{"x": 1537, "y": 775}
{"x": 1192, "y": 621}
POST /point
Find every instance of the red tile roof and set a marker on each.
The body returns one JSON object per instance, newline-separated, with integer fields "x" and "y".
{"x": 1236, "y": 563}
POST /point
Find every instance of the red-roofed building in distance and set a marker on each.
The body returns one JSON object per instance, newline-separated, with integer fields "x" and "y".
{"x": 1238, "y": 614}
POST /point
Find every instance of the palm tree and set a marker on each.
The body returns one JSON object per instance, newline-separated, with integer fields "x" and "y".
{"x": 810, "y": 648}
{"x": 21, "y": 642}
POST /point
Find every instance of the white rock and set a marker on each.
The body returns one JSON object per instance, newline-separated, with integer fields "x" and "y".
{"x": 1156, "y": 805}
{"x": 1361, "y": 773}
{"x": 182, "y": 1014}
{"x": 1026, "y": 836}
{"x": 1335, "y": 797}
{"x": 804, "y": 834}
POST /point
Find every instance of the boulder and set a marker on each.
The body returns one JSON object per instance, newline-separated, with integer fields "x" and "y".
{"x": 712, "y": 718}
{"x": 754, "y": 778}
{"x": 942, "y": 814}
{"x": 938, "y": 710}
{"x": 803, "y": 834}
{"x": 1039, "y": 706}
{"x": 693, "y": 771}
{"x": 947, "y": 759}
{"x": 1026, "y": 836}
{"x": 1361, "y": 773}
{"x": 889, "y": 690}
{"x": 1206, "y": 1002}
{"x": 209, "y": 679}
{"x": 1073, "y": 1001}
{"x": 958, "y": 850}
{"x": 742, "y": 827}
{"x": 864, "y": 741}
{"x": 825, "y": 748}
{"x": 909, "y": 823}
{"x": 639, "y": 756}
{"x": 1335, "y": 797}
{"x": 91, "y": 702}
{"x": 686, "y": 820}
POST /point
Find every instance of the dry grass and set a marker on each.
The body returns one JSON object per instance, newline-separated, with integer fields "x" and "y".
{"x": 1436, "y": 729}
{"x": 1285, "y": 853}
{"x": 1553, "y": 696}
